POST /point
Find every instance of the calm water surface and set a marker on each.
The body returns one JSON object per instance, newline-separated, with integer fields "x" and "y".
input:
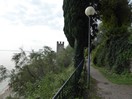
{"x": 5, "y": 60}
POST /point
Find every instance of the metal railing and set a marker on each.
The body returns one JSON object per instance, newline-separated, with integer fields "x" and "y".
{"x": 69, "y": 88}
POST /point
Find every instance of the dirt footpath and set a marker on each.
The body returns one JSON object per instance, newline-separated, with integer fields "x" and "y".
{"x": 108, "y": 90}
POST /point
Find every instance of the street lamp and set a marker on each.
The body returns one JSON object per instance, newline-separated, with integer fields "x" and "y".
{"x": 89, "y": 11}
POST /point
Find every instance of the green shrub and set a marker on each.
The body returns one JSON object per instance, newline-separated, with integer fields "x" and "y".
{"x": 48, "y": 86}
{"x": 114, "y": 52}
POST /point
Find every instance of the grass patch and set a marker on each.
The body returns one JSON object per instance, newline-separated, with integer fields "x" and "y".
{"x": 93, "y": 90}
{"x": 124, "y": 78}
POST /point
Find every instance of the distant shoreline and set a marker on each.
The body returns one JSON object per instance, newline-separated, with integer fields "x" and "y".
{"x": 4, "y": 89}
{"x": 4, "y": 85}
{"x": 7, "y": 92}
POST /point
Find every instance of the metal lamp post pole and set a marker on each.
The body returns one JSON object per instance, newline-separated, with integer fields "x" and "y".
{"x": 89, "y": 11}
{"x": 89, "y": 45}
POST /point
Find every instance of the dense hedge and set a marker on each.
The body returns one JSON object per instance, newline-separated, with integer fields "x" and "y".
{"x": 115, "y": 48}
{"x": 114, "y": 52}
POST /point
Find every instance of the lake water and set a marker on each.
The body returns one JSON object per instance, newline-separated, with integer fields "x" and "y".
{"x": 4, "y": 86}
{"x": 5, "y": 60}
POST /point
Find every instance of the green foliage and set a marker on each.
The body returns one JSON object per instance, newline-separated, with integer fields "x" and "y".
{"x": 76, "y": 22}
{"x": 3, "y": 73}
{"x": 130, "y": 37}
{"x": 115, "y": 13}
{"x": 10, "y": 97}
{"x": 30, "y": 69}
{"x": 114, "y": 53}
{"x": 40, "y": 74}
{"x": 114, "y": 49}
{"x": 85, "y": 92}
{"x": 65, "y": 57}
{"x": 49, "y": 85}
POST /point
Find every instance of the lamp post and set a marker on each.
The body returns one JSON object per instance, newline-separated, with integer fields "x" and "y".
{"x": 89, "y": 11}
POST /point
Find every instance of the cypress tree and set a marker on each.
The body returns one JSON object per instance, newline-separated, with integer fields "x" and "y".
{"x": 76, "y": 25}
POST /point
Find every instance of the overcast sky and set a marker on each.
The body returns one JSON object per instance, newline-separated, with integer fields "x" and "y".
{"x": 30, "y": 24}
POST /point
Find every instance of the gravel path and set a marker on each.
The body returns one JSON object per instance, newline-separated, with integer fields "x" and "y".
{"x": 108, "y": 90}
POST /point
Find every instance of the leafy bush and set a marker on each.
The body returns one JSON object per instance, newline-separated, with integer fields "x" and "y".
{"x": 40, "y": 73}
{"x": 114, "y": 52}
{"x": 49, "y": 85}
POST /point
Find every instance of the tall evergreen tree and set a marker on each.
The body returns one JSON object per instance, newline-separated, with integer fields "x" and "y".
{"x": 76, "y": 25}
{"x": 116, "y": 13}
